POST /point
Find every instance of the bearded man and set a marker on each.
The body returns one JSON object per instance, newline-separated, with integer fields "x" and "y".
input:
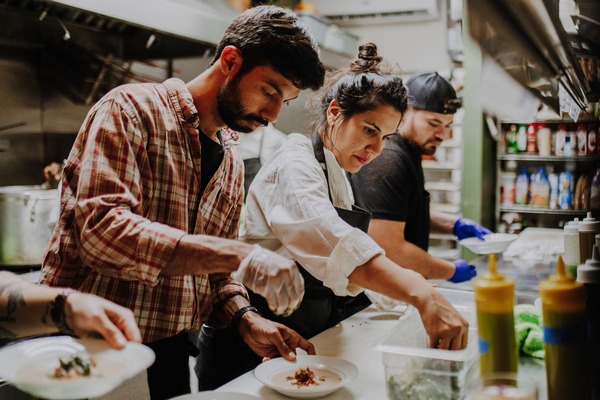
{"x": 152, "y": 192}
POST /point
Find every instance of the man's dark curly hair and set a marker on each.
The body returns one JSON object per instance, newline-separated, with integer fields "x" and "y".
{"x": 274, "y": 36}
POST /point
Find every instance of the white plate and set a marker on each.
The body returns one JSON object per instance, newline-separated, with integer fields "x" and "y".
{"x": 335, "y": 371}
{"x": 491, "y": 243}
{"x": 27, "y": 366}
{"x": 212, "y": 395}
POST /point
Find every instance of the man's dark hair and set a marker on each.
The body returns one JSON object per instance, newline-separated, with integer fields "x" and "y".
{"x": 274, "y": 36}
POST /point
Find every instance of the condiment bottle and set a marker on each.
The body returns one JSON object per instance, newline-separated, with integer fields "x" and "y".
{"x": 589, "y": 227}
{"x": 571, "y": 242}
{"x": 564, "y": 325}
{"x": 494, "y": 299}
{"x": 532, "y": 139}
{"x": 589, "y": 274}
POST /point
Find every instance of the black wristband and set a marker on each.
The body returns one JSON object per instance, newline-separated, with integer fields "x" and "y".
{"x": 237, "y": 317}
{"x": 57, "y": 311}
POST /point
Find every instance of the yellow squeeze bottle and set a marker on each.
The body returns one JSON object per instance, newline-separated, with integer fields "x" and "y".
{"x": 565, "y": 336}
{"x": 494, "y": 300}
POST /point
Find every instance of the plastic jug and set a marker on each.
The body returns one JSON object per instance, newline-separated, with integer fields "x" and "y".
{"x": 565, "y": 338}
{"x": 494, "y": 299}
{"x": 522, "y": 187}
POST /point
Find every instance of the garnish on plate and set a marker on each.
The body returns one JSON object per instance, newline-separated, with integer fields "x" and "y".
{"x": 75, "y": 366}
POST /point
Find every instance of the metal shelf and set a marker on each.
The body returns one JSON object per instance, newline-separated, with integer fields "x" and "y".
{"x": 447, "y": 208}
{"x": 539, "y": 210}
{"x": 429, "y": 164}
{"x": 535, "y": 157}
{"x": 445, "y": 186}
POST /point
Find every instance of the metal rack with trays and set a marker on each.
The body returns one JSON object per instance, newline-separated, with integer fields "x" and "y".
{"x": 443, "y": 180}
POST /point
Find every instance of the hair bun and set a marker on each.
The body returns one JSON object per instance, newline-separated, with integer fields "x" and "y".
{"x": 367, "y": 60}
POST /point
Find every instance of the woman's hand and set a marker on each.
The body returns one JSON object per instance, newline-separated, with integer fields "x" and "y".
{"x": 270, "y": 339}
{"x": 446, "y": 327}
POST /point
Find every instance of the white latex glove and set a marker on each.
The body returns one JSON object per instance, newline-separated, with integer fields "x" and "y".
{"x": 274, "y": 277}
{"x": 380, "y": 301}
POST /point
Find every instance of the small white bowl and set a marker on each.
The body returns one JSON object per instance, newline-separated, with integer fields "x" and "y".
{"x": 491, "y": 243}
{"x": 275, "y": 374}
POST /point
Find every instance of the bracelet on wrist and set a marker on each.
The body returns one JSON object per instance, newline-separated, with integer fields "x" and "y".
{"x": 237, "y": 317}
{"x": 57, "y": 311}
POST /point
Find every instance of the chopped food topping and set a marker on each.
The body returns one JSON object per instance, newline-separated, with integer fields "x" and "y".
{"x": 75, "y": 366}
{"x": 304, "y": 377}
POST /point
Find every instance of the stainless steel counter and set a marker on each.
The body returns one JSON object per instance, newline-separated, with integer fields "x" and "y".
{"x": 354, "y": 340}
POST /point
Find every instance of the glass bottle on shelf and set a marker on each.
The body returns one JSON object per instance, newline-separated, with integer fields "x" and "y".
{"x": 512, "y": 146}
{"x": 522, "y": 139}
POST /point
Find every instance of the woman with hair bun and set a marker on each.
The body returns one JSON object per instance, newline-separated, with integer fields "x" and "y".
{"x": 301, "y": 205}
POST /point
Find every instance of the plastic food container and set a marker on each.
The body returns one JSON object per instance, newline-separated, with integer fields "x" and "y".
{"x": 415, "y": 372}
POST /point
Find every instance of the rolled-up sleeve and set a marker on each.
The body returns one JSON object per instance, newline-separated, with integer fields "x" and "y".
{"x": 112, "y": 235}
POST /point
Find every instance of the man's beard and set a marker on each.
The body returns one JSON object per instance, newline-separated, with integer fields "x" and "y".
{"x": 231, "y": 110}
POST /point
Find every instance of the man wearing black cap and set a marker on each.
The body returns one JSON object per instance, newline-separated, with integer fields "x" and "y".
{"x": 392, "y": 186}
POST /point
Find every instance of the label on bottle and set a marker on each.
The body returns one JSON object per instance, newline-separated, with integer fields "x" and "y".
{"x": 522, "y": 138}
{"x": 559, "y": 141}
{"x": 581, "y": 141}
{"x": 532, "y": 139}
{"x": 591, "y": 143}
{"x": 565, "y": 190}
{"x": 564, "y": 335}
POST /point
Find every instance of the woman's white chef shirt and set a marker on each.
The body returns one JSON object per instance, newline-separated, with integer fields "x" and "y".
{"x": 288, "y": 210}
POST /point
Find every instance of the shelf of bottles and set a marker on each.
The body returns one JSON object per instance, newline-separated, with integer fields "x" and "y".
{"x": 548, "y": 172}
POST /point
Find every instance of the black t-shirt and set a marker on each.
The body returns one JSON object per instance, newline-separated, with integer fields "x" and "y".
{"x": 392, "y": 187}
{"x": 212, "y": 157}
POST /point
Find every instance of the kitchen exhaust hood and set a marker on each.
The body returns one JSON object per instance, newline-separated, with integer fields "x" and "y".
{"x": 127, "y": 29}
{"x": 86, "y": 47}
{"x": 529, "y": 41}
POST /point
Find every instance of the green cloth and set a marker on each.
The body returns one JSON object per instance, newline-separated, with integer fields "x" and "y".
{"x": 528, "y": 328}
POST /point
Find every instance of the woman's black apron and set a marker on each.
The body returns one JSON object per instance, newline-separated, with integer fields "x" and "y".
{"x": 224, "y": 356}
{"x": 320, "y": 308}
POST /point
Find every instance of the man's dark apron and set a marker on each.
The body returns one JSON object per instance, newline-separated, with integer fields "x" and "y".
{"x": 224, "y": 356}
{"x": 321, "y": 308}
{"x": 252, "y": 165}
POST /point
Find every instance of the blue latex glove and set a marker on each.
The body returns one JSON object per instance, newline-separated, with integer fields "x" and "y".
{"x": 466, "y": 228}
{"x": 464, "y": 271}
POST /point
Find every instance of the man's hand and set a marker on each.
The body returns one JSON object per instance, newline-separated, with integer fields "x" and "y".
{"x": 464, "y": 271}
{"x": 274, "y": 277}
{"x": 466, "y": 228}
{"x": 270, "y": 339}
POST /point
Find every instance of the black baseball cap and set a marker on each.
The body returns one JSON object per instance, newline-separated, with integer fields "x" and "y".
{"x": 430, "y": 92}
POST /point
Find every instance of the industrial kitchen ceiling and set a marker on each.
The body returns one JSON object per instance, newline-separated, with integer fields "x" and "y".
{"x": 131, "y": 29}
{"x": 86, "y": 47}
{"x": 529, "y": 39}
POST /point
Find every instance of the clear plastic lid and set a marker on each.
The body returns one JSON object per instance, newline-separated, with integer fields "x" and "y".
{"x": 589, "y": 223}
